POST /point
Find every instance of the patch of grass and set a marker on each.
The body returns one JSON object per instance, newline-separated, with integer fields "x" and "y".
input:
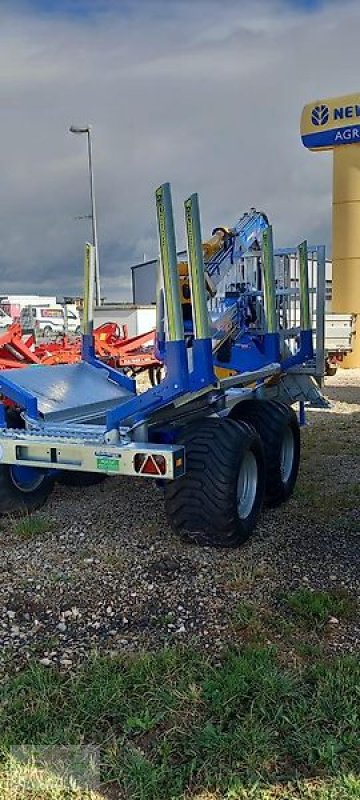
{"x": 114, "y": 560}
{"x": 310, "y": 650}
{"x": 317, "y": 607}
{"x": 61, "y": 578}
{"x": 243, "y": 613}
{"x": 316, "y": 494}
{"x": 346, "y": 787}
{"x": 318, "y": 443}
{"x": 295, "y": 642}
{"x": 176, "y": 725}
{"x": 241, "y": 576}
{"x": 308, "y": 491}
{"x": 34, "y": 779}
{"x": 280, "y": 625}
{"x": 32, "y": 525}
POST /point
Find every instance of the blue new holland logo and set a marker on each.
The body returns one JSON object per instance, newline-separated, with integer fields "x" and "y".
{"x": 320, "y": 115}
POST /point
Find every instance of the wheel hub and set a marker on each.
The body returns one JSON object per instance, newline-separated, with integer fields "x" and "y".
{"x": 247, "y": 485}
{"x": 26, "y": 479}
{"x": 287, "y": 455}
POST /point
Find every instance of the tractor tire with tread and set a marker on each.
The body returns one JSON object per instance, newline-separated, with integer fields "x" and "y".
{"x": 218, "y": 500}
{"x": 278, "y": 428}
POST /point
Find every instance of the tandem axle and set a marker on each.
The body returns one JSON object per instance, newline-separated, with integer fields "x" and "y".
{"x": 218, "y": 431}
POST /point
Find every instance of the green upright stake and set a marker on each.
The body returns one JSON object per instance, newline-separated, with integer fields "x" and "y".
{"x": 305, "y": 321}
{"x": 196, "y": 268}
{"x": 269, "y": 280}
{"x": 168, "y": 261}
{"x": 89, "y": 277}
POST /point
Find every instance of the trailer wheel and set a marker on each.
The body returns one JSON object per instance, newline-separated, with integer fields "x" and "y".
{"x": 218, "y": 500}
{"x": 330, "y": 368}
{"x": 80, "y": 479}
{"x": 23, "y": 489}
{"x": 278, "y": 428}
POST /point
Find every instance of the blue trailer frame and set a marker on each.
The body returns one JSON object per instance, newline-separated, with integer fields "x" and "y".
{"x": 88, "y": 417}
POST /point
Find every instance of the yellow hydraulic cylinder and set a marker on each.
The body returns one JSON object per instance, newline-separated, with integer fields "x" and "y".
{"x": 334, "y": 124}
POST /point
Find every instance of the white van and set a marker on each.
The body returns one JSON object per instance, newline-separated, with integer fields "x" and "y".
{"x": 5, "y": 319}
{"x": 49, "y": 320}
{"x": 73, "y": 320}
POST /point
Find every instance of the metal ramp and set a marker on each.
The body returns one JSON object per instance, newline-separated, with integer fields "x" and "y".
{"x": 71, "y": 392}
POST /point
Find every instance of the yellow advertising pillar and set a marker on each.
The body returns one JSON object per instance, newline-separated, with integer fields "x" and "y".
{"x": 334, "y": 124}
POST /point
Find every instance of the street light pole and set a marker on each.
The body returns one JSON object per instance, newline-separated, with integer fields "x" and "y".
{"x": 94, "y": 221}
{"x": 87, "y": 129}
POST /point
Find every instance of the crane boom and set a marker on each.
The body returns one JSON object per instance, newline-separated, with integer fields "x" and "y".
{"x": 233, "y": 243}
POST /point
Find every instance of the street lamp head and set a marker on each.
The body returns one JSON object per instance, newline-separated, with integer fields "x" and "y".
{"x": 79, "y": 129}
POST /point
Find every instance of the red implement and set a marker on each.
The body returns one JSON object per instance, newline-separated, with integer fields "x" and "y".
{"x": 14, "y": 351}
{"x": 123, "y": 351}
{"x": 112, "y": 345}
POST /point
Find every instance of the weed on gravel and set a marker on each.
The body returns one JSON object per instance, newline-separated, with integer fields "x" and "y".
{"x": 32, "y": 525}
{"x": 176, "y": 725}
{"x": 316, "y": 607}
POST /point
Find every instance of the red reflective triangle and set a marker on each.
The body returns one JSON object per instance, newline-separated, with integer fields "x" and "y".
{"x": 150, "y": 468}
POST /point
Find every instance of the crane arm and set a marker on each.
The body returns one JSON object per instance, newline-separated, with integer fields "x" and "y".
{"x": 229, "y": 244}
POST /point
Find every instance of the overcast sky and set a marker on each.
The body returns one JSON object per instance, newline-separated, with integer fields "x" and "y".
{"x": 204, "y": 93}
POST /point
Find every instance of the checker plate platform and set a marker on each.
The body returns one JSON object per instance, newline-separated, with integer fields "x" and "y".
{"x": 69, "y": 391}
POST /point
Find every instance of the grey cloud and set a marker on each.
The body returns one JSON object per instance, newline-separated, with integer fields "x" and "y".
{"x": 206, "y": 95}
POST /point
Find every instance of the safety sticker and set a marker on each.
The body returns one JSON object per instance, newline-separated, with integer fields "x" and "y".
{"x": 108, "y": 464}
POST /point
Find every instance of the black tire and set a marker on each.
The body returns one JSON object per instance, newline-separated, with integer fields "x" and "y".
{"x": 330, "y": 369}
{"x": 80, "y": 479}
{"x": 19, "y": 501}
{"x": 203, "y": 504}
{"x": 48, "y": 331}
{"x": 13, "y": 419}
{"x": 278, "y": 428}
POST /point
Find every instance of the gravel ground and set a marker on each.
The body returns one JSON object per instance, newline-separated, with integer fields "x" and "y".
{"x": 110, "y": 576}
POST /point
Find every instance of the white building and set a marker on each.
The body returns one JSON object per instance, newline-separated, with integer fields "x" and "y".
{"x": 138, "y": 318}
